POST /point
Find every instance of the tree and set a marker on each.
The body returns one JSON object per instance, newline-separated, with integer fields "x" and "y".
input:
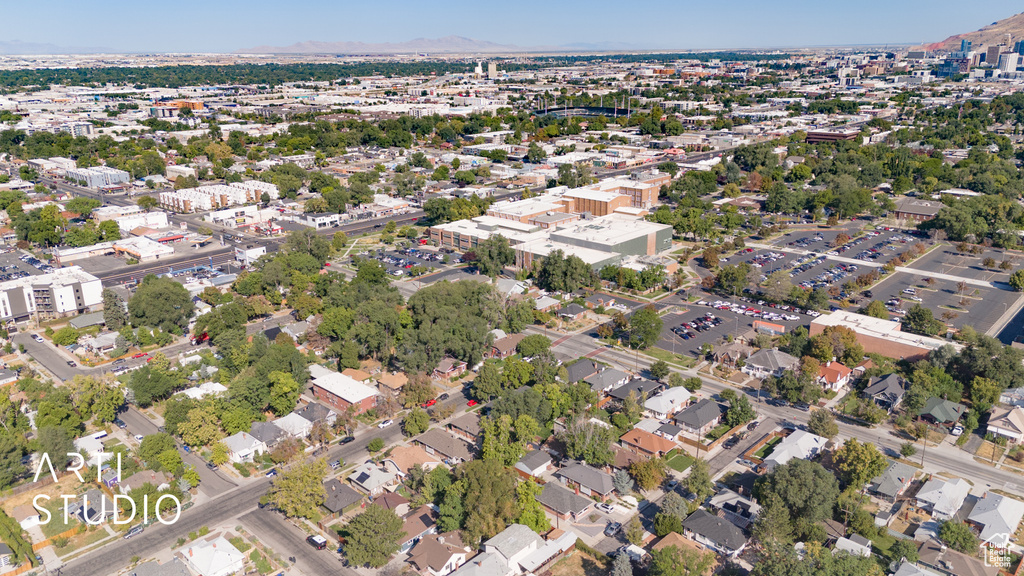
{"x": 958, "y": 536}
{"x": 907, "y": 449}
{"x": 373, "y": 537}
{"x": 535, "y": 154}
{"x": 201, "y": 427}
{"x": 858, "y": 463}
{"x": 113, "y": 310}
{"x": 493, "y": 254}
{"x": 1017, "y": 280}
{"x": 529, "y": 512}
{"x": 219, "y": 453}
{"x": 659, "y": 369}
{"x": 162, "y": 303}
{"x": 588, "y": 441}
{"x": 153, "y": 445}
{"x": 666, "y": 523}
{"x": 147, "y": 203}
{"x": 698, "y": 482}
{"x": 919, "y": 320}
{"x": 903, "y": 549}
{"x": 66, "y": 336}
{"x": 375, "y": 445}
{"x": 710, "y": 257}
{"x": 773, "y": 523}
{"x": 284, "y": 392}
{"x": 489, "y": 498}
{"x": 823, "y": 424}
{"x": 808, "y": 490}
{"x": 57, "y": 442}
{"x": 649, "y": 474}
{"x": 622, "y": 482}
{"x": 416, "y": 422}
{"x": 299, "y": 491}
{"x": 877, "y": 309}
{"x": 635, "y": 531}
{"x": 622, "y": 565}
{"x": 645, "y": 327}
{"x": 693, "y": 383}
{"x": 533, "y": 345}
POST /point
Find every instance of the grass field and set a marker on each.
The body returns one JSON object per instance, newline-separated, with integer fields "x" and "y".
{"x": 678, "y": 461}
{"x": 579, "y": 563}
{"x": 767, "y": 448}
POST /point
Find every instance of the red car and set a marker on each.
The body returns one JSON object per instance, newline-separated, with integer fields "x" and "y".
{"x": 472, "y": 403}
{"x": 148, "y": 360}
{"x": 141, "y": 355}
{"x": 429, "y": 403}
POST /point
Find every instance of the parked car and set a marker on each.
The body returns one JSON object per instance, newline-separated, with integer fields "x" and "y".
{"x": 38, "y": 338}
{"x": 752, "y": 425}
{"x": 429, "y": 403}
{"x": 211, "y": 465}
{"x": 612, "y": 529}
{"x": 272, "y": 472}
{"x": 346, "y": 440}
{"x": 957, "y": 430}
{"x": 141, "y": 355}
{"x": 386, "y": 423}
{"x": 72, "y": 363}
{"x": 139, "y": 437}
{"x": 133, "y": 532}
{"x": 472, "y": 403}
{"x": 443, "y": 397}
{"x": 317, "y": 541}
{"x": 119, "y": 361}
{"x": 606, "y": 508}
{"x": 120, "y": 423}
{"x": 335, "y": 464}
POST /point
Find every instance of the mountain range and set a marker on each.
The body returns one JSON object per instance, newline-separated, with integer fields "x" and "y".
{"x": 989, "y": 35}
{"x": 446, "y": 45}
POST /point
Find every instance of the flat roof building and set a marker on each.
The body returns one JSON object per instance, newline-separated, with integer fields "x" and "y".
{"x": 881, "y": 336}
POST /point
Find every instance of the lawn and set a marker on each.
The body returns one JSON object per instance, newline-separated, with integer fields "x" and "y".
{"x": 768, "y": 447}
{"x": 579, "y": 563}
{"x": 56, "y": 524}
{"x": 678, "y": 461}
{"x": 716, "y": 433}
{"x": 883, "y": 542}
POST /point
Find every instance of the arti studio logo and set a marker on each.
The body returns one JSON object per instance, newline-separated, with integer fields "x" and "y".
{"x": 996, "y": 551}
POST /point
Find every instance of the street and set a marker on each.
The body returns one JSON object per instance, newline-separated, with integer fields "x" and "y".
{"x": 289, "y": 541}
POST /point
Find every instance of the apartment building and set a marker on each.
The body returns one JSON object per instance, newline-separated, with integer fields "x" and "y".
{"x": 99, "y": 176}
{"x": 216, "y": 196}
{"x": 63, "y": 291}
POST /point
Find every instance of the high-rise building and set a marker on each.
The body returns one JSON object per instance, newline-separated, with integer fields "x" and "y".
{"x": 492, "y": 70}
{"x": 1019, "y": 47}
{"x": 992, "y": 54}
{"x": 965, "y": 45}
{"x": 1008, "y": 61}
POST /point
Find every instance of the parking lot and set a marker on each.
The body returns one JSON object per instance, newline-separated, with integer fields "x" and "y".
{"x": 735, "y": 319}
{"x": 400, "y": 262}
{"x": 977, "y": 306}
{"x": 946, "y": 260}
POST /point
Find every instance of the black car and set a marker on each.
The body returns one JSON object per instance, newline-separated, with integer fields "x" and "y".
{"x": 346, "y": 440}
{"x": 443, "y": 397}
{"x": 752, "y": 425}
{"x": 318, "y": 542}
{"x": 211, "y": 465}
{"x": 802, "y": 407}
{"x": 120, "y": 423}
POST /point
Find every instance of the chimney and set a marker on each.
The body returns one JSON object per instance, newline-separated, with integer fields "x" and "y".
{"x": 440, "y": 539}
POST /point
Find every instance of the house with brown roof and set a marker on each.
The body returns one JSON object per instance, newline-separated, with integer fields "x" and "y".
{"x": 358, "y": 375}
{"x": 439, "y": 554}
{"x": 505, "y": 347}
{"x": 392, "y": 501}
{"x": 449, "y": 368}
{"x": 392, "y": 382}
{"x": 417, "y": 524}
{"x": 403, "y": 458}
{"x": 729, "y": 354}
{"x": 643, "y": 442}
{"x": 441, "y": 443}
{"x": 1008, "y": 423}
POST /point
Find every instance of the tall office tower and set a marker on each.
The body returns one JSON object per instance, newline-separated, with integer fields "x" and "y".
{"x": 965, "y": 45}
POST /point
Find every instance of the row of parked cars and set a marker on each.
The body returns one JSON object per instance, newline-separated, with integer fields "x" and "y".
{"x": 36, "y": 263}
{"x": 831, "y": 276}
{"x": 755, "y": 311}
{"x": 701, "y": 324}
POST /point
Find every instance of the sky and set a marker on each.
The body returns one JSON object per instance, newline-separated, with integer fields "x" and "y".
{"x": 228, "y": 25}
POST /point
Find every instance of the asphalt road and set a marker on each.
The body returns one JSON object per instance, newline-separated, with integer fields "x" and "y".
{"x": 289, "y": 541}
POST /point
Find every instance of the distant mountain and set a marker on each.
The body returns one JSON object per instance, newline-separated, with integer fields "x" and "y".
{"x": 448, "y": 44}
{"x": 18, "y": 47}
{"x": 989, "y": 35}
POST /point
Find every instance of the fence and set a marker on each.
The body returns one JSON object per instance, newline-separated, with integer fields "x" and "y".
{"x": 65, "y": 534}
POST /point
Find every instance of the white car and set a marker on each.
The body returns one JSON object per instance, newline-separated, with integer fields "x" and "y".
{"x": 139, "y": 437}
{"x": 38, "y": 338}
{"x": 957, "y": 431}
{"x": 385, "y": 423}
{"x": 606, "y": 508}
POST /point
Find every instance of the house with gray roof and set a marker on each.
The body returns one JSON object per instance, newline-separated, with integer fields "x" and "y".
{"x": 372, "y": 479}
{"x": 534, "y": 463}
{"x": 437, "y": 441}
{"x": 572, "y": 312}
{"x": 769, "y": 362}
{"x": 563, "y": 502}
{"x": 581, "y": 369}
{"x": 996, "y": 517}
{"x": 316, "y": 412}
{"x": 855, "y": 545}
{"x": 175, "y": 567}
{"x": 514, "y": 544}
{"x": 268, "y": 433}
{"x": 589, "y": 480}
{"x": 716, "y": 533}
{"x": 700, "y": 417}
{"x": 639, "y": 387}
{"x": 943, "y": 498}
{"x": 943, "y": 412}
{"x": 886, "y": 391}
{"x": 891, "y": 483}
{"x": 606, "y": 380}
{"x": 340, "y": 497}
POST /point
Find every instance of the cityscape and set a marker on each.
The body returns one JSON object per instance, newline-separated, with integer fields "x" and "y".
{"x": 487, "y": 304}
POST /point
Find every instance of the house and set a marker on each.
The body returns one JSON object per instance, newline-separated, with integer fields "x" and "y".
{"x": 403, "y": 458}
{"x": 731, "y": 353}
{"x": 581, "y": 370}
{"x": 587, "y": 479}
{"x": 449, "y": 368}
{"x": 5, "y": 554}
{"x": 701, "y": 417}
{"x": 996, "y": 517}
{"x": 1007, "y": 422}
{"x": 268, "y": 433}
{"x": 216, "y": 557}
{"x": 392, "y": 382}
{"x": 340, "y": 498}
{"x": 856, "y": 545}
{"x": 159, "y": 480}
{"x": 715, "y": 533}
{"x": 643, "y": 442}
{"x": 769, "y": 362}
{"x": 466, "y": 427}
{"x": 638, "y": 387}
{"x": 485, "y": 565}
{"x": 243, "y": 447}
{"x": 1012, "y": 397}
{"x": 438, "y": 554}
{"x": 739, "y": 510}
{"x": 392, "y": 501}
{"x": 8, "y": 377}
{"x": 26, "y": 515}
{"x": 557, "y": 545}
{"x": 800, "y": 444}
{"x": 513, "y": 544}
{"x": 315, "y": 412}
{"x": 908, "y": 569}
{"x": 361, "y": 376}
{"x": 669, "y": 431}
{"x": 294, "y": 425}
{"x": 891, "y": 483}
{"x": 371, "y": 479}
{"x": 886, "y": 391}
{"x": 606, "y": 379}
{"x": 534, "y": 463}
{"x": 95, "y": 507}
{"x": 667, "y": 402}
{"x": 944, "y": 560}
{"x": 437, "y": 441}
{"x": 833, "y": 376}
{"x": 942, "y": 412}
{"x": 340, "y": 391}
{"x": 572, "y": 312}
{"x": 563, "y": 502}
{"x": 943, "y": 498}
{"x": 505, "y": 347}
{"x": 173, "y": 568}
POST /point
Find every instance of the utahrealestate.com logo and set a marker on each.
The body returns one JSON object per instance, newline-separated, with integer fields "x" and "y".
{"x": 96, "y": 512}
{"x": 996, "y": 551}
